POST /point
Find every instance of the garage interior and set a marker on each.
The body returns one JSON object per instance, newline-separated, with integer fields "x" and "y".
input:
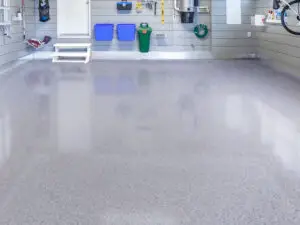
{"x": 191, "y": 119}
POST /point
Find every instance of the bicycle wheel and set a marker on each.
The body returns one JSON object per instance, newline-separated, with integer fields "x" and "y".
{"x": 290, "y": 17}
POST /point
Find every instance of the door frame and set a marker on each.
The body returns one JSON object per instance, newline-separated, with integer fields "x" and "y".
{"x": 59, "y": 35}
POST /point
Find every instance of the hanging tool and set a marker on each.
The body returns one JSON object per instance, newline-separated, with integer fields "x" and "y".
{"x": 23, "y": 21}
{"x": 139, "y": 6}
{"x": 37, "y": 44}
{"x": 201, "y": 31}
{"x": 124, "y": 5}
{"x": 44, "y": 10}
{"x": 6, "y": 31}
{"x": 155, "y": 6}
{"x": 149, "y": 4}
{"x": 162, "y": 3}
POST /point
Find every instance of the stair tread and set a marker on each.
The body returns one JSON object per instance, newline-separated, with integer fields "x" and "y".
{"x": 70, "y": 54}
{"x": 73, "y": 45}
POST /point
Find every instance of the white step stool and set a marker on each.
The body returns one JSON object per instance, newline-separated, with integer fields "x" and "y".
{"x": 72, "y": 52}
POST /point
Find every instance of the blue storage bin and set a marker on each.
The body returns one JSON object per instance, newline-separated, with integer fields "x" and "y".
{"x": 104, "y": 32}
{"x": 126, "y": 32}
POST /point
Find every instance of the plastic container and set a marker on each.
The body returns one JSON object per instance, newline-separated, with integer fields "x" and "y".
{"x": 124, "y": 5}
{"x": 104, "y": 32}
{"x": 144, "y": 33}
{"x": 126, "y": 32}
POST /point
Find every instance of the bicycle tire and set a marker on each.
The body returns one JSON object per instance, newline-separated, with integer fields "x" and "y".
{"x": 283, "y": 18}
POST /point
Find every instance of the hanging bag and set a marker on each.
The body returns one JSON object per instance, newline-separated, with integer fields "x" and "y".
{"x": 44, "y": 10}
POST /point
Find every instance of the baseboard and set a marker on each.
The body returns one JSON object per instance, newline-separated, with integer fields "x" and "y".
{"x": 130, "y": 55}
{"x": 281, "y": 67}
{"x": 38, "y": 56}
{"x": 6, "y": 68}
{"x": 133, "y": 55}
{"x": 124, "y": 55}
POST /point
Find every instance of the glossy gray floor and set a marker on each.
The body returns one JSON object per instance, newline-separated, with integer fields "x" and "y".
{"x": 149, "y": 143}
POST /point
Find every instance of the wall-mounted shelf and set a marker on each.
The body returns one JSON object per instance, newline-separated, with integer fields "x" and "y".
{"x": 15, "y": 18}
{"x": 5, "y": 19}
{"x": 258, "y": 20}
{"x": 202, "y": 9}
{"x": 5, "y": 23}
{"x": 273, "y": 21}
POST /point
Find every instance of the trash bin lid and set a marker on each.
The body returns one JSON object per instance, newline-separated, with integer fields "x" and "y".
{"x": 144, "y": 25}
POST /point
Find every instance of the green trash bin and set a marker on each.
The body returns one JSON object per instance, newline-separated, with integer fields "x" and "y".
{"x": 144, "y": 34}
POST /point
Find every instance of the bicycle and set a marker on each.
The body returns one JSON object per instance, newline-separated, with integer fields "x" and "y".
{"x": 293, "y": 23}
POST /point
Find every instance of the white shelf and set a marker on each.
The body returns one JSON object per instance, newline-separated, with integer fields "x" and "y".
{"x": 16, "y": 19}
{"x": 5, "y": 7}
{"x": 202, "y": 9}
{"x": 5, "y": 23}
{"x": 273, "y": 21}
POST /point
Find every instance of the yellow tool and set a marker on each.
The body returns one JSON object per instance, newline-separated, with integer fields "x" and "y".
{"x": 139, "y": 6}
{"x": 162, "y": 5}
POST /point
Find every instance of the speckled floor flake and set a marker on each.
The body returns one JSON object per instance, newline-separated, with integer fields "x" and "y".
{"x": 149, "y": 143}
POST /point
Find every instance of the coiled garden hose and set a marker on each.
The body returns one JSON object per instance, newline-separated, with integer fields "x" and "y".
{"x": 201, "y": 31}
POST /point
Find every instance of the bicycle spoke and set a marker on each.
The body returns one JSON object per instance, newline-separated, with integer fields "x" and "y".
{"x": 294, "y": 10}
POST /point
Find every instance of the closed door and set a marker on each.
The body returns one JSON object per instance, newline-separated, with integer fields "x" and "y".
{"x": 73, "y": 18}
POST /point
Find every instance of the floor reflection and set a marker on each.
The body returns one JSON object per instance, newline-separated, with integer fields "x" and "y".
{"x": 185, "y": 142}
{"x": 74, "y": 114}
{"x": 5, "y": 136}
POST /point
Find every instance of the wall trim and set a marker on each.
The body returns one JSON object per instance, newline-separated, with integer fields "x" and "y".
{"x": 122, "y": 55}
{"x": 133, "y": 55}
{"x": 10, "y": 66}
{"x": 281, "y": 67}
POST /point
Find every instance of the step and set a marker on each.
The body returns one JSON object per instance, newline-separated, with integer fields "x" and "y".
{"x": 72, "y": 45}
{"x": 70, "y": 54}
{"x": 5, "y": 23}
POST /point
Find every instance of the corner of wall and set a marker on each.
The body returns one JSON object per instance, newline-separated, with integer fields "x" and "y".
{"x": 276, "y": 47}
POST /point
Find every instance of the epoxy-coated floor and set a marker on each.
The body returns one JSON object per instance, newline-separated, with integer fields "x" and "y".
{"x": 149, "y": 143}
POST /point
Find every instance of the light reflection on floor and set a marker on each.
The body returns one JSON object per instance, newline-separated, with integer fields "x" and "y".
{"x": 209, "y": 142}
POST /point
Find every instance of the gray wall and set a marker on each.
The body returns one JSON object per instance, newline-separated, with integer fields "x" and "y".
{"x": 275, "y": 43}
{"x": 180, "y": 37}
{"x": 14, "y": 48}
{"x": 49, "y": 28}
{"x": 231, "y": 41}
{"x": 226, "y": 41}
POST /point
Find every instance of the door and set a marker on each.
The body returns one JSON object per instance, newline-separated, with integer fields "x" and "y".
{"x": 73, "y": 19}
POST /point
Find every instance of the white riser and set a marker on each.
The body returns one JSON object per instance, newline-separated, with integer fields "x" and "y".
{"x": 67, "y": 60}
